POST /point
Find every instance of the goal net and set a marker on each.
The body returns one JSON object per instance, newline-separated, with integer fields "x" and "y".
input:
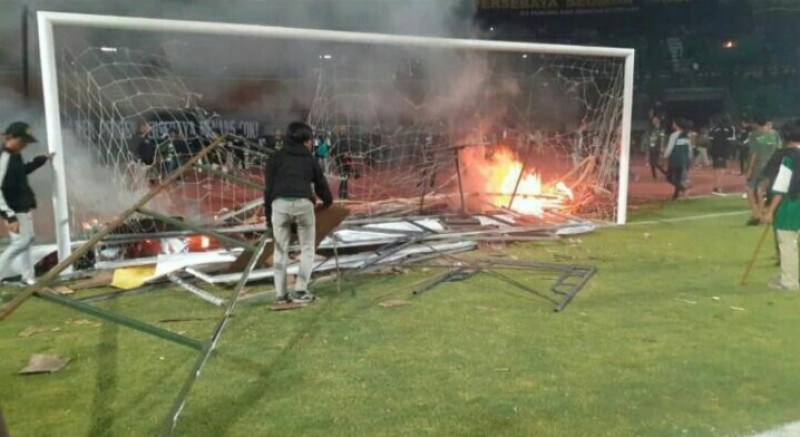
{"x": 402, "y": 125}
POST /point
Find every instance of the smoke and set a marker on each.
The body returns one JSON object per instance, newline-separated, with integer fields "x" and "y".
{"x": 276, "y": 81}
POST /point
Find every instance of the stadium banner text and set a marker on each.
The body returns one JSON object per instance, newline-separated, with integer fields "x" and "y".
{"x": 569, "y": 7}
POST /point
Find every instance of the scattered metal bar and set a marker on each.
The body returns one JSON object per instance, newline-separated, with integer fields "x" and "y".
{"x": 587, "y": 275}
{"x": 119, "y": 319}
{"x": 195, "y": 290}
{"x": 199, "y": 229}
{"x": 211, "y": 343}
{"x": 460, "y": 186}
{"x": 48, "y": 277}
{"x": 438, "y": 279}
{"x": 516, "y": 186}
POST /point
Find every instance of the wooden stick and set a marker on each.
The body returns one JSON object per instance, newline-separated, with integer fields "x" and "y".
{"x": 755, "y": 254}
{"x": 48, "y": 277}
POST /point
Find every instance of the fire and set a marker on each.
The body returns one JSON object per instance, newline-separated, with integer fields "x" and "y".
{"x": 496, "y": 172}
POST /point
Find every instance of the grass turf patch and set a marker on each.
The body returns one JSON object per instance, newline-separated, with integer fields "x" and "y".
{"x": 645, "y": 349}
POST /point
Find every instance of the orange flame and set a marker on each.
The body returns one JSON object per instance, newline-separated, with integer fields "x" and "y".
{"x": 496, "y": 171}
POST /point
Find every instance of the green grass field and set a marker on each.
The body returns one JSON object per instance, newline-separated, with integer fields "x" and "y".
{"x": 644, "y": 350}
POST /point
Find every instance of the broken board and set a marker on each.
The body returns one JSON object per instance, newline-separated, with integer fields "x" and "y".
{"x": 327, "y": 219}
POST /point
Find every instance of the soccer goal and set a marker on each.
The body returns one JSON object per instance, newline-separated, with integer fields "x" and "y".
{"x": 403, "y": 124}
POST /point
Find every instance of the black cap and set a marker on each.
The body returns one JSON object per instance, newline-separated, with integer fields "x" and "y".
{"x": 20, "y": 129}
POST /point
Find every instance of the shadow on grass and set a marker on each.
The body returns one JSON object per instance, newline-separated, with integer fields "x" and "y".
{"x": 105, "y": 390}
{"x": 220, "y": 414}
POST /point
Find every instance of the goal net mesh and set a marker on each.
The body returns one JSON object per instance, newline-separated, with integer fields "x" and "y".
{"x": 398, "y": 130}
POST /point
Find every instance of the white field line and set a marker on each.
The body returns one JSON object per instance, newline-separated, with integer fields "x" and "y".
{"x": 690, "y": 218}
{"x": 788, "y": 430}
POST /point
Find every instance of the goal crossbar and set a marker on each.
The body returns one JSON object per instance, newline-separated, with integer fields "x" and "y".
{"x": 48, "y": 20}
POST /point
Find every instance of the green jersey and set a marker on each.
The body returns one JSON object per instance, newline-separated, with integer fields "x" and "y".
{"x": 787, "y": 216}
{"x": 762, "y": 145}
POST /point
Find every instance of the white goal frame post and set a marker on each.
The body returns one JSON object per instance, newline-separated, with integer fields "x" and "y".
{"x": 48, "y": 20}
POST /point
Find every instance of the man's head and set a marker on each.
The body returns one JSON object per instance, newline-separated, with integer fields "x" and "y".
{"x": 681, "y": 124}
{"x": 791, "y": 132}
{"x": 18, "y": 135}
{"x": 144, "y": 128}
{"x": 760, "y": 122}
{"x": 300, "y": 133}
{"x": 656, "y": 121}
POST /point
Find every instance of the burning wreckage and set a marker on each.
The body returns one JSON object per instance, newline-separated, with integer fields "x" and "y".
{"x": 492, "y": 197}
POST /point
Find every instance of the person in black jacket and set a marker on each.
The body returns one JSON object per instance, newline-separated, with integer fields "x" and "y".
{"x": 17, "y": 199}
{"x": 288, "y": 200}
{"x": 720, "y": 136}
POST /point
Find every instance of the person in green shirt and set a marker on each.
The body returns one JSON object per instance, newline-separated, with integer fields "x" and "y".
{"x": 762, "y": 143}
{"x": 784, "y": 210}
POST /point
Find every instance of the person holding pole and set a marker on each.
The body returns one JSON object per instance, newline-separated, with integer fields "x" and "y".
{"x": 784, "y": 210}
{"x": 288, "y": 200}
{"x": 762, "y": 143}
{"x": 17, "y": 200}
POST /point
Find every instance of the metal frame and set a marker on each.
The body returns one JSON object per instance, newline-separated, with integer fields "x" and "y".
{"x": 48, "y": 20}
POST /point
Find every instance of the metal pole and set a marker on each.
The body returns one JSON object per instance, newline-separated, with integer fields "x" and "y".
{"x": 297, "y": 34}
{"x": 200, "y": 230}
{"x": 26, "y": 76}
{"x": 120, "y": 319}
{"x": 516, "y": 186}
{"x": 211, "y": 344}
{"x": 460, "y": 187}
{"x": 47, "y": 53}
{"x": 48, "y": 277}
{"x": 625, "y": 147}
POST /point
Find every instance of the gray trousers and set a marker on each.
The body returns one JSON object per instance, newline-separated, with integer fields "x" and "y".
{"x": 20, "y": 248}
{"x": 787, "y": 247}
{"x": 285, "y": 212}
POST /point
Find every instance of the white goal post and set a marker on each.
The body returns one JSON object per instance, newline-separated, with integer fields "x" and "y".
{"x": 50, "y": 86}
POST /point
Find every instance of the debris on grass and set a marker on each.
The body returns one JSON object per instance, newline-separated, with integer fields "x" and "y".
{"x": 716, "y": 299}
{"x": 63, "y": 290}
{"x": 483, "y": 308}
{"x": 43, "y": 363}
{"x": 287, "y": 306}
{"x": 84, "y": 322}
{"x": 98, "y": 280}
{"x": 188, "y": 319}
{"x": 738, "y": 309}
{"x": 687, "y": 301}
{"x": 394, "y": 303}
{"x": 32, "y": 330}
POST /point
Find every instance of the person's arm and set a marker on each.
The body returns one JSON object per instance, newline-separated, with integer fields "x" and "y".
{"x": 5, "y": 211}
{"x": 751, "y": 164}
{"x": 780, "y": 187}
{"x": 671, "y": 144}
{"x": 37, "y": 162}
{"x": 321, "y": 186}
{"x": 769, "y": 214}
{"x": 269, "y": 185}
